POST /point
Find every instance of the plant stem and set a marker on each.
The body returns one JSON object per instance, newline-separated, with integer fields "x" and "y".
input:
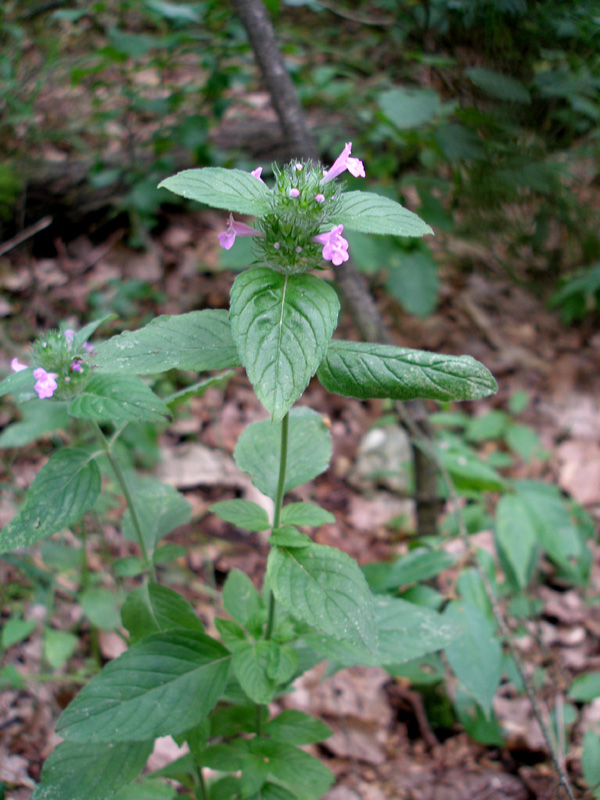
{"x": 201, "y": 791}
{"x": 120, "y": 475}
{"x": 283, "y": 453}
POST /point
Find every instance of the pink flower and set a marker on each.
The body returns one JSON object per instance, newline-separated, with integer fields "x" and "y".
{"x": 46, "y": 383}
{"x": 335, "y": 247}
{"x": 294, "y": 192}
{"x": 227, "y": 238}
{"x": 256, "y": 173}
{"x": 342, "y": 163}
{"x": 76, "y": 366}
{"x": 16, "y": 365}
{"x": 69, "y": 335}
{"x": 319, "y": 198}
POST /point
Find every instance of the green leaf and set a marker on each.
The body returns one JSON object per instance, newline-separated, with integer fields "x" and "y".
{"x": 59, "y": 646}
{"x": 152, "y": 608}
{"x": 231, "y": 189}
{"x": 18, "y": 382}
{"x": 118, "y": 399}
{"x": 413, "y": 280}
{"x": 417, "y": 565}
{"x": 197, "y": 389}
{"x": 150, "y": 789}
{"x": 309, "y": 451}
{"x": 516, "y": 537}
{"x": 326, "y": 589}
{"x": 90, "y": 771}
{"x": 63, "y": 490}
{"x": 367, "y": 212}
{"x": 364, "y": 370}
{"x": 84, "y": 334}
{"x": 281, "y": 325}
{"x": 240, "y": 597}
{"x": 502, "y": 87}
{"x": 590, "y": 762}
{"x": 404, "y": 631}
{"x": 288, "y": 536}
{"x": 257, "y": 667}
{"x": 409, "y": 108}
{"x": 160, "y": 507}
{"x": 470, "y": 473}
{"x": 305, "y": 514}
{"x": 39, "y": 418}
{"x": 585, "y": 688}
{"x": 199, "y": 340}
{"x": 272, "y": 791}
{"x": 475, "y": 656}
{"x": 101, "y": 607}
{"x": 296, "y": 727}
{"x": 304, "y": 775}
{"x": 162, "y": 686}
{"x": 243, "y": 513}
{"x": 16, "y": 630}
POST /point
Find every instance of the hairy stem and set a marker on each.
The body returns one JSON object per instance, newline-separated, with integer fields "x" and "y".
{"x": 120, "y": 475}
{"x": 285, "y": 427}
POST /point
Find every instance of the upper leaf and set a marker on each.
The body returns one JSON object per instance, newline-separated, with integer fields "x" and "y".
{"x": 199, "y": 340}
{"x": 163, "y": 685}
{"x": 81, "y": 771}
{"x": 18, "y": 384}
{"x": 231, "y": 189}
{"x": 364, "y": 370}
{"x": 281, "y": 325}
{"x": 242, "y": 513}
{"x": 309, "y": 450}
{"x": 326, "y": 589}
{"x": 119, "y": 398}
{"x": 160, "y": 507}
{"x": 372, "y": 213}
{"x": 63, "y": 490}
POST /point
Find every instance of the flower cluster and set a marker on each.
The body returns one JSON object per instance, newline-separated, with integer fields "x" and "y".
{"x": 60, "y": 368}
{"x": 298, "y": 233}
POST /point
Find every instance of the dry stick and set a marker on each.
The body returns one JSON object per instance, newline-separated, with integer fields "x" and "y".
{"x": 24, "y": 235}
{"x": 427, "y": 443}
{"x": 361, "y": 304}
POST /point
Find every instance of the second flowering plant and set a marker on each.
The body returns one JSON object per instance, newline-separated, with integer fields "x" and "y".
{"x": 213, "y": 693}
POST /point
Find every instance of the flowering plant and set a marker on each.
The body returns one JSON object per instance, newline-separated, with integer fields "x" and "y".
{"x": 213, "y": 694}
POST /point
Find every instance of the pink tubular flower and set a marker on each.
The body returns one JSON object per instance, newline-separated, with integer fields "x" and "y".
{"x": 294, "y": 192}
{"x": 227, "y": 238}
{"x": 69, "y": 335}
{"x": 256, "y": 173}
{"x": 342, "y": 163}
{"x": 319, "y": 198}
{"x": 46, "y": 383}
{"x": 16, "y": 365}
{"x": 335, "y": 247}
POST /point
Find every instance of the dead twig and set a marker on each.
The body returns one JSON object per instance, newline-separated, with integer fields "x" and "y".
{"x": 10, "y": 244}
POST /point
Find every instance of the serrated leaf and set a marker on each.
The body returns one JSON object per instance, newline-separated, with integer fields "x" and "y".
{"x": 118, "y": 399}
{"x": 309, "y": 451}
{"x": 243, "y": 513}
{"x": 151, "y": 789}
{"x": 240, "y": 597}
{"x": 199, "y": 340}
{"x": 152, "y": 608}
{"x": 160, "y": 508}
{"x": 296, "y": 727}
{"x": 197, "y": 389}
{"x": 364, "y": 370}
{"x": 516, "y": 537}
{"x": 305, "y": 514}
{"x": 404, "y": 630}
{"x": 84, "y": 334}
{"x": 39, "y": 418}
{"x": 281, "y": 325}
{"x": 556, "y": 531}
{"x": 256, "y": 666}
{"x": 367, "y": 212}
{"x": 82, "y": 771}
{"x": 231, "y": 189}
{"x": 475, "y": 656}
{"x": 288, "y": 536}
{"x": 471, "y": 473}
{"x": 417, "y": 565}
{"x": 63, "y": 490}
{"x": 162, "y": 686}
{"x": 326, "y": 589}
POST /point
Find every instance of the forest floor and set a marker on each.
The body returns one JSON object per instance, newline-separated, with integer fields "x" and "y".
{"x": 383, "y": 745}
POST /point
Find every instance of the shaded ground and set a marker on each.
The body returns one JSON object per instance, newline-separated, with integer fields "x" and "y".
{"x": 383, "y": 746}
